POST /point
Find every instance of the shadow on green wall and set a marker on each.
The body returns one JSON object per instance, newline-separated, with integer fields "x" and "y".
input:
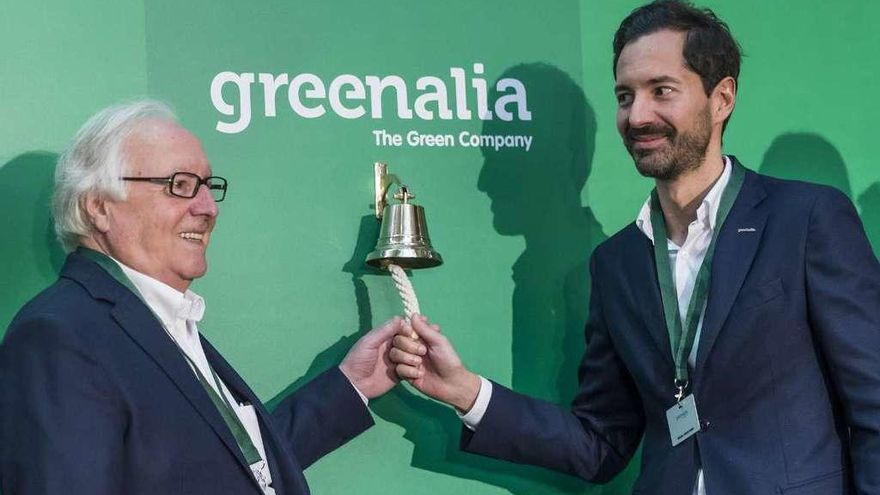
{"x": 812, "y": 158}
{"x": 368, "y": 232}
{"x": 869, "y": 205}
{"x": 537, "y": 195}
{"x": 806, "y": 156}
{"x": 31, "y": 255}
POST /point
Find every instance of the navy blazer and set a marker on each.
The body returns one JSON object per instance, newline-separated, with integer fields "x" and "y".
{"x": 96, "y": 399}
{"x": 787, "y": 374}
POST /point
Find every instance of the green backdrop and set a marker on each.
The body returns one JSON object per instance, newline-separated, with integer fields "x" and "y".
{"x": 287, "y": 291}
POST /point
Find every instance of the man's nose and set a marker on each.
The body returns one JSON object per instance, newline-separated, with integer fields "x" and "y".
{"x": 203, "y": 203}
{"x": 641, "y": 112}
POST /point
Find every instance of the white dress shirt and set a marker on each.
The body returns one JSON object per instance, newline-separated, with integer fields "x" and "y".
{"x": 685, "y": 261}
{"x": 179, "y": 313}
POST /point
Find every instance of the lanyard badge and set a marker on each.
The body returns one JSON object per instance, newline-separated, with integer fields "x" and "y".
{"x": 683, "y": 420}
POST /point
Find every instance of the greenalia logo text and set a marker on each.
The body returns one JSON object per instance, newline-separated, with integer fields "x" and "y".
{"x": 353, "y": 97}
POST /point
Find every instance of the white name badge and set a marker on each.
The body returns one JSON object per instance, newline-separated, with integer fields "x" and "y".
{"x": 683, "y": 420}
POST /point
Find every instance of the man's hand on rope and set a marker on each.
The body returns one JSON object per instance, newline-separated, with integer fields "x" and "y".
{"x": 431, "y": 364}
{"x": 367, "y": 364}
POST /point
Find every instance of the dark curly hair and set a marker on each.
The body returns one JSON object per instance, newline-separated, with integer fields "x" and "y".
{"x": 709, "y": 48}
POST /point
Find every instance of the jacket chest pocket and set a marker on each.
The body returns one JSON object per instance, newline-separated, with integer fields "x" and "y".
{"x": 755, "y": 295}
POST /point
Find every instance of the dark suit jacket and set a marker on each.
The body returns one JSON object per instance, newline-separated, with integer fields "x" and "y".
{"x": 787, "y": 376}
{"x": 96, "y": 399}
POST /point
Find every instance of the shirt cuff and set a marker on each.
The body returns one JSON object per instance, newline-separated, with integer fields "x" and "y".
{"x": 361, "y": 395}
{"x": 472, "y": 418}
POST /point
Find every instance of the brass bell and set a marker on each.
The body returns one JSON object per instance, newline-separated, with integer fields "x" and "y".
{"x": 403, "y": 237}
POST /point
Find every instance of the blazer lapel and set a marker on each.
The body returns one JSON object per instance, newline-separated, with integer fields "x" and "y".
{"x": 738, "y": 242}
{"x": 647, "y": 294}
{"x": 141, "y": 325}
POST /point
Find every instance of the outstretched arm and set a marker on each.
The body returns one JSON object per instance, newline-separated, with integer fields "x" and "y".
{"x": 593, "y": 440}
{"x": 327, "y": 411}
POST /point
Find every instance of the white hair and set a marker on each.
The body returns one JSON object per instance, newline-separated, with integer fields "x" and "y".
{"x": 94, "y": 162}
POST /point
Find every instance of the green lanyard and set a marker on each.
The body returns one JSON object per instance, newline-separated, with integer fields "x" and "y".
{"x": 682, "y": 336}
{"x": 238, "y": 430}
{"x": 222, "y": 403}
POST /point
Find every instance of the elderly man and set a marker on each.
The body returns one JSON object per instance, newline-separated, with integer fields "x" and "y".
{"x": 734, "y": 326}
{"x": 108, "y": 386}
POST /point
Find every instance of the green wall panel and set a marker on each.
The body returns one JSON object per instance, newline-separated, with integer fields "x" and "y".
{"x": 287, "y": 291}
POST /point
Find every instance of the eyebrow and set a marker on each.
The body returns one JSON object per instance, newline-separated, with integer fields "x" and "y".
{"x": 652, "y": 82}
{"x": 663, "y": 79}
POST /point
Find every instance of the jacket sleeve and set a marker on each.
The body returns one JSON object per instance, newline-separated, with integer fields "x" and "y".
{"x": 843, "y": 296}
{"x": 321, "y": 416}
{"x": 594, "y": 440}
{"x": 61, "y": 423}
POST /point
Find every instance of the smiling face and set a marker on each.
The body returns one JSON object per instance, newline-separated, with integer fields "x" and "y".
{"x": 663, "y": 114}
{"x": 151, "y": 231}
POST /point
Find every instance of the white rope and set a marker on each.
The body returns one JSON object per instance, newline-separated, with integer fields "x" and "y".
{"x": 406, "y": 291}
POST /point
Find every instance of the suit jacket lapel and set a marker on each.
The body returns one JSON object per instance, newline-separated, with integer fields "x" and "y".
{"x": 738, "y": 242}
{"x": 647, "y": 294}
{"x": 141, "y": 325}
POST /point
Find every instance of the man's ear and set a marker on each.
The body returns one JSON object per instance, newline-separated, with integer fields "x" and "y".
{"x": 96, "y": 209}
{"x": 723, "y": 99}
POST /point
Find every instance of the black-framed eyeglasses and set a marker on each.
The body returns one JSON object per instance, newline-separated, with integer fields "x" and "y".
{"x": 186, "y": 184}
